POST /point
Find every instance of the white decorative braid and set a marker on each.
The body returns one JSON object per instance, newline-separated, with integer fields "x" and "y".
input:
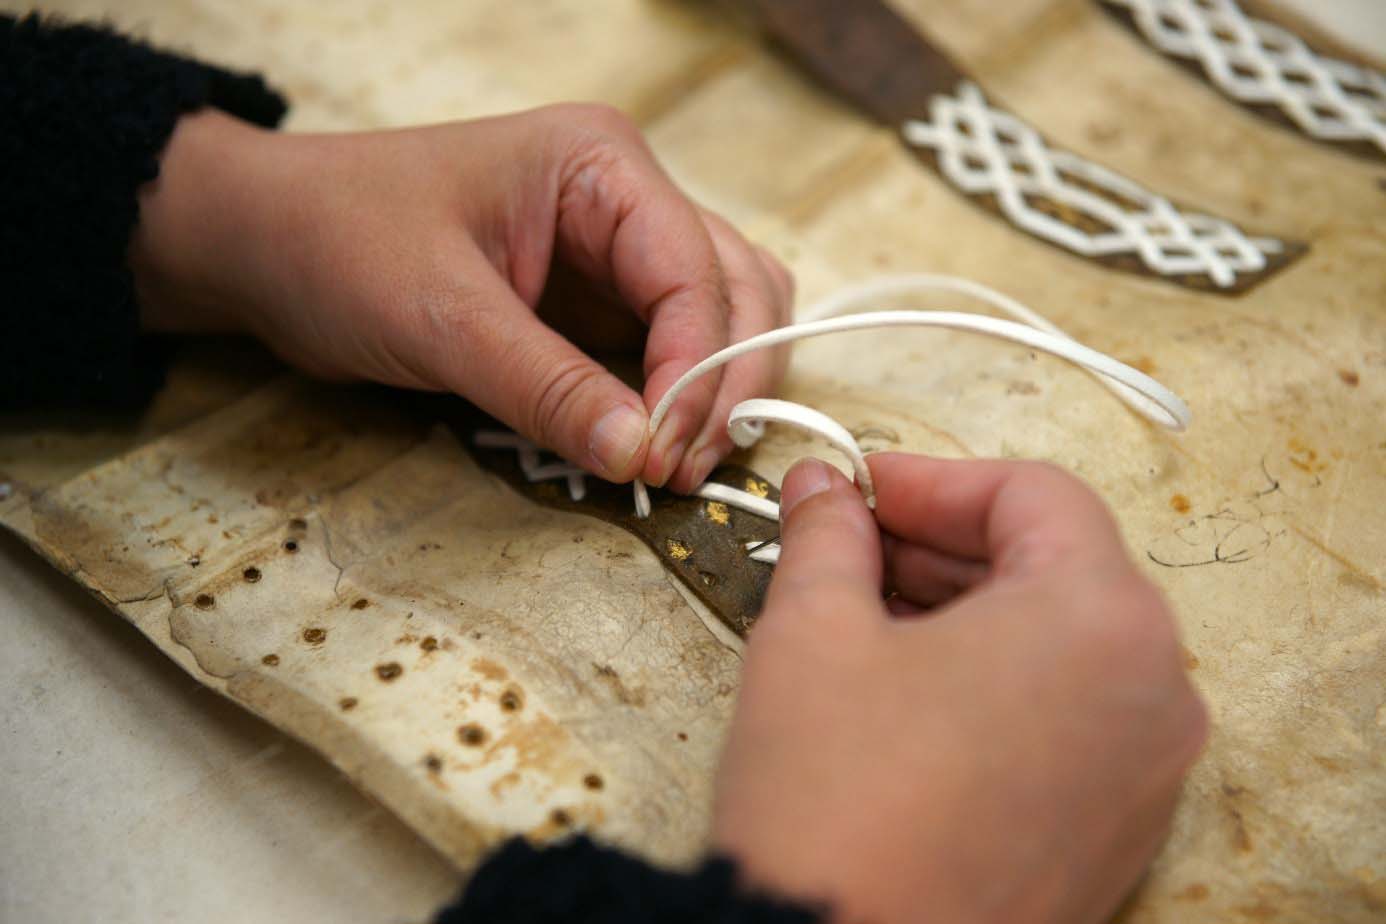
{"x": 985, "y": 151}
{"x": 1259, "y": 63}
{"x": 530, "y": 464}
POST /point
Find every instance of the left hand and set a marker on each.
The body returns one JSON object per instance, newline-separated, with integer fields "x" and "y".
{"x": 472, "y": 257}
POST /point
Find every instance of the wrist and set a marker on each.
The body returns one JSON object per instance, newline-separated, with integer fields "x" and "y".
{"x": 193, "y": 249}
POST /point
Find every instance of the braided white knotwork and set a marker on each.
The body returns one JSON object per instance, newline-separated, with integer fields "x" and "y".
{"x": 530, "y": 464}
{"x": 985, "y": 151}
{"x": 535, "y": 470}
{"x": 1259, "y": 63}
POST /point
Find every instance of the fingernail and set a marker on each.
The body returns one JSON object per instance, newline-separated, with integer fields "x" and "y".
{"x": 616, "y": 438}
{"x": 703, "y": 464}
{"x": 667, "y": 448}
{"x": 804, "y": 480}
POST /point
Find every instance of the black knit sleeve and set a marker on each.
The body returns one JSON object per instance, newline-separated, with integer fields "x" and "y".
{"x": 579, "y": 882}
{"x": 84, "y": 114}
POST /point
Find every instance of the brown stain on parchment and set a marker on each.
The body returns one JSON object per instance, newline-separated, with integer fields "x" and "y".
{"x": 490, "y": 669}
{"x": 611, "y": 679}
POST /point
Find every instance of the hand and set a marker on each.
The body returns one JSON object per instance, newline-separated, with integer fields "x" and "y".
{"x": 432, "y": 258}
{"x": 1004, "y": 743}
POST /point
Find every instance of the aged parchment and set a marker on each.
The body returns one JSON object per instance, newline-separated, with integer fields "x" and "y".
{"x": 334, "y": 561}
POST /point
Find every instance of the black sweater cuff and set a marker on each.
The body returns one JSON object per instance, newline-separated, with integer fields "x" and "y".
{"x": 579, "y": 882}
{"x": 84, "y": 114}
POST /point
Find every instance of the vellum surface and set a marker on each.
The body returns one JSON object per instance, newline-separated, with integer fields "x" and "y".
{"x": 335, "y": 562}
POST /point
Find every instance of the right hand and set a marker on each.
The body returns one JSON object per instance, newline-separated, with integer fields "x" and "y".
{"x": 1004, "y": 742}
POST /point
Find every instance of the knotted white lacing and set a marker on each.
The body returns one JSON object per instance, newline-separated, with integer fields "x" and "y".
{"x": 747, "y": 421}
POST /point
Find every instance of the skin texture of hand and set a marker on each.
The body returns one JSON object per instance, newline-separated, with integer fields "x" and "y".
{"x": 1003, "y": 742}
{"x": 475, "y": 257}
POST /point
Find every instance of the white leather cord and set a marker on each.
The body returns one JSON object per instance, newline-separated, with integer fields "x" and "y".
{"x": 770, "y": 554}
{"x": 848, "y": 298}
{"x": 1139, "y": 391}
{"x": 746, "y": 423}
{"x": 741, "y": 500}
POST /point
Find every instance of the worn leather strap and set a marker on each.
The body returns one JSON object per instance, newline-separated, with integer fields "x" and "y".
{"x": 864, "y": 52}
{"x": 873, "y": 58}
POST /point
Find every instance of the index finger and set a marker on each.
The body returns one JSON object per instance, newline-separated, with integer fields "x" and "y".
{"x": 1019, "y": 516}
{"x": 623, "y": 221}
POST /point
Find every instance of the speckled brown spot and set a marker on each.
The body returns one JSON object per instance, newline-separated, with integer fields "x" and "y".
{"x": 1196, "y": 892}
{"x": 429, "y": 643}
{"x": 561, "y": 818}
{"x": 388, "y": 671}
{"x": 298, "y": 523}
{"x": 314, "y": 635}
{"x": 434, "y": 763}
{"x": 1349, "y": 377}
{"x": 1179, "y": 503}
{"x": 251, "y": 575}
{"x": 347, "y": 703}
{"x": 472, "y": 735}
{"x": 682, "y": 736}
{"x": 291, "y": 546}
{"x": 512, "y": 700}
{"x": 504, "y": 782}
{"x": 593, "y": 782}
{"x": 205, "y": 601}
{"x": 489, "y": 669}
{"x": 360, "y": 604}
{"x": 270, "y": 660}
{"x": 1191, "y": 661}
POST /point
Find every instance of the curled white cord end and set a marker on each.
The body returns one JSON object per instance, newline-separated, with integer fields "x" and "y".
{"x": 748, "y": 419}
{"x": 642, "y": 499}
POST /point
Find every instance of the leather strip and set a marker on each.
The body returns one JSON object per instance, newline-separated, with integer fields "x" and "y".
{"x": 874, "y": 59}
{"x": 702, "y": 542}
{"x": 1299, "y": 71}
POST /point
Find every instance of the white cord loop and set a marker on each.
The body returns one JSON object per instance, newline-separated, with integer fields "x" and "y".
{"x": 748, "y": 420}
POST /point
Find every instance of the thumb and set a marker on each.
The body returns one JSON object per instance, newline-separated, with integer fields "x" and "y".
{"x": 830, "y": 546}
{"x": 518, "y": 369}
